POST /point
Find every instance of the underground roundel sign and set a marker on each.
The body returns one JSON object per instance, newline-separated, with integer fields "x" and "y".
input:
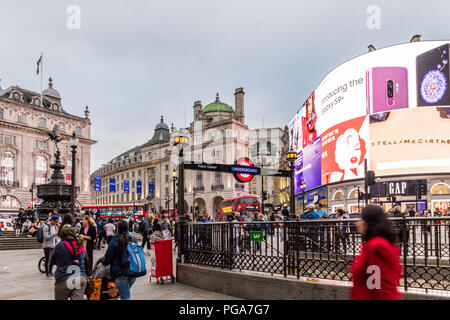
{"x": 243, "y": 170}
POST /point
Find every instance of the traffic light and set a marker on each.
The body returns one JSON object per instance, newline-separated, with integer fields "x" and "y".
{"x": 370, "y": 178}
{"x": 264, "y": 195}
{"x": 360, "y": 195}
{"x": 422, "y": 189}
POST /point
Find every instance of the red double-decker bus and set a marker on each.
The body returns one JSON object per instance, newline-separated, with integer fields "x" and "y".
{"x": 117, "y": 210}
{"x": 246, "y": 205}
{"x": 168, "y": 213}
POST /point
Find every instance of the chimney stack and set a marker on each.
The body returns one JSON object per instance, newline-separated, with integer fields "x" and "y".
{"x": 197, "y": 110}
{"x": 371, "y": 48}
{"x": 239, "y": 104}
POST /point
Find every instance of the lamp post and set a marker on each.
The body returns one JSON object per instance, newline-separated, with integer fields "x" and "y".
{"x": 291, "y": 156}
{"x": 174, "y": 178}
{"x": 182, "y": 141}
{"x": 73, "y": 144}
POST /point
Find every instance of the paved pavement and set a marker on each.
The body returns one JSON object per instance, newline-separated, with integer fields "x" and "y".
{"x": 23, "y": 281}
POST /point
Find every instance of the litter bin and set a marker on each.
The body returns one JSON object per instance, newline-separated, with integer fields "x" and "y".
{"x": 161, "y": 258}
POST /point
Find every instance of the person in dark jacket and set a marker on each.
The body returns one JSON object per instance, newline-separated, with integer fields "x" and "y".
{"x": 146, "y": 232}
{"x": 115, "y": 256}
{"x": 68, "y": 256}
{"x": 377, "y": 270}
{"x": 89, "y": 234}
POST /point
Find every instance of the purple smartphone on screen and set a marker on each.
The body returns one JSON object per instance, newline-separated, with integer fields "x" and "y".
{"x": 386, "y": 88}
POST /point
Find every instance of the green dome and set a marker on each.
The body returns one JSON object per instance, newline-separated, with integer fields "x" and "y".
{"x": 217, "y": 106}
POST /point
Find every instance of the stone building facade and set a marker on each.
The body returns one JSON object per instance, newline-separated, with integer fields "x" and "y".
{"x": 25, "y": 153}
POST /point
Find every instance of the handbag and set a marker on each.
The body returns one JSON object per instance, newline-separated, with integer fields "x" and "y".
{"x": 90, "y": 285}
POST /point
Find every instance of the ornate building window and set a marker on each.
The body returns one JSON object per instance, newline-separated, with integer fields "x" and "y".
{"x": 7, "y": 139}
{"x": 7, "y": 168}
{"x": 77, "y": 131}
{"x": 218, "y": 178}
{"x": 42, "y": 123}
{"x": 62, "y": 127}
{"x": 199, "y": 179}
{"x": 1, "y": 113}
{"x": 41, "y": 170}
{"x": 41, "y": 145}
{"x": 23, "y": 117}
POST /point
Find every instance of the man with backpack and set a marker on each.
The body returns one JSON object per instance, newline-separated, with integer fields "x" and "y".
{"x": 49, "y": 239}
{"x": 127, "y": 260}
{"x": 101, "y": 233}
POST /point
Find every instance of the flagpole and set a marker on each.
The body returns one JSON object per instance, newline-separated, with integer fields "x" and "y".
{"x": 42, "y": 72}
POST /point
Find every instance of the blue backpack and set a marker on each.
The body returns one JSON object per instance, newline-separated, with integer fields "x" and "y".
{"x": 135, "y": 261}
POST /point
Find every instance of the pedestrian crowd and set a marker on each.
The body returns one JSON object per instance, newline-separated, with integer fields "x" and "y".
{"x": 68, "y": 243}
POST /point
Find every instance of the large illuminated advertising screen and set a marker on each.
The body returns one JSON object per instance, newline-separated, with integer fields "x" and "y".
{"x": 390, "y": 106}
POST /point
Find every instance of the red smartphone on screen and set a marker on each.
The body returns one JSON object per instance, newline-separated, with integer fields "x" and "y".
{"x": 386, "y": 89}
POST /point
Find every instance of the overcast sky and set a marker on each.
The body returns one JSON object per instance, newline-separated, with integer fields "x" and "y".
{"x": 133, "y": 61}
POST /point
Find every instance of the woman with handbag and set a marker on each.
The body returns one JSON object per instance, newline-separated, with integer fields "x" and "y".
{"x": 89, "y": 234}
{"x": 68, "y": 256}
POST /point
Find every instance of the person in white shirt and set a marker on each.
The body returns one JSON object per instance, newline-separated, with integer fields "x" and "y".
{"x": 110, "y": 229}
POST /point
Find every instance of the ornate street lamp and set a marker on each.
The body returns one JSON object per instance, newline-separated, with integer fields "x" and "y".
{"x": 182, "y": 141}
{"x": 291, "y": 156}
{"x": 73, "y": 144}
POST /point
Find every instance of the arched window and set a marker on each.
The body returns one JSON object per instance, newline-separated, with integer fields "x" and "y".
{"x": 41, "y": 170}
{"x": 354, "y": 193}
{"x": 338, "y": 196}
{"x": 9, "y": 202}
{"x": 42, "y": 123}
{"x": 77, "y": 131}
{"x": 7, "y": 168}
{"x": 440, "y": 188}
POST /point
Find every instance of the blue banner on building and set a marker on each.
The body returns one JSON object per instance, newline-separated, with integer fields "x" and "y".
{"x": 138, "y": 187}
{"x": 126, "y": 186}
{"x": 151, "y": 189}
{"x": 112, "y": 185}
{"x": 97, "y": 183}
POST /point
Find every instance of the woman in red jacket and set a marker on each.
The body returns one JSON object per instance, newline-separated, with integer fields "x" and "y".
{"x": 377, "y": 270}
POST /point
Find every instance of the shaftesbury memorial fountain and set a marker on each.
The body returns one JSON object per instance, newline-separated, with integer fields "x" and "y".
{"x": 56, "y": 193}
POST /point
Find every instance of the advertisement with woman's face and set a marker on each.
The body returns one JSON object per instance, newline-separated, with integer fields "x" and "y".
{"x": 343, "y": 150}
{"x": 308, "y": 121}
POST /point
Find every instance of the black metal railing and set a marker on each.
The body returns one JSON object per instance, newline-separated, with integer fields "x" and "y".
{"x": 322, "y": 249}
